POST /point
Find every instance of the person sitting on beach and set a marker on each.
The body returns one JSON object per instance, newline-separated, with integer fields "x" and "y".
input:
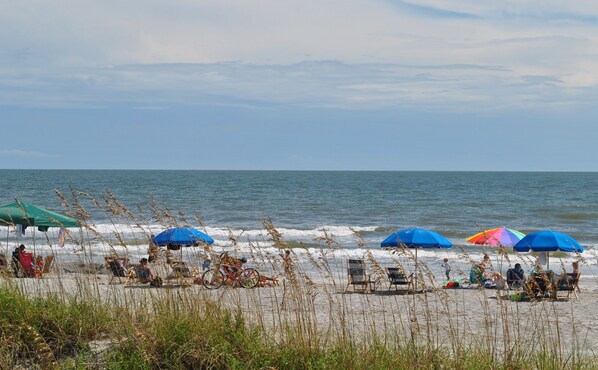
{"x": 39, "y": 267}
{"x": 232, "y": 265}
{"x": 516, "y": 276}
{"x": 145, "y": 274}
{"x": 16, "y": 259}
{"x": 519, "y": 273}
{"x": 498, "y": 281}
{"x": 478, "y": 272}
{"x": 565, "y": 279}
{"x": 485, "y": 264}
{"x": 542, "y": 281}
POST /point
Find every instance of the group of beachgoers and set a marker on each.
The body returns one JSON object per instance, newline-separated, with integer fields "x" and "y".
{"x": 160, "y": 265}
{"x": 23, "y": 263}
{"x": 482, "y": 274}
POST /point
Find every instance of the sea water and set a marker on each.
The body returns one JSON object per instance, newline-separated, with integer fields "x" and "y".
{"x": 305, "y": 204}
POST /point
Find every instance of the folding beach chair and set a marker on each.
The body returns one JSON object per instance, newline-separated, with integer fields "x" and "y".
{"x": 357, "y": 276}
{"x": 117, "y": 266}
{"x": 47, "y": 264}
{"x": 398, "y": 277}
{"x": 27, "y": 267}
{"x": 569, "y": 283}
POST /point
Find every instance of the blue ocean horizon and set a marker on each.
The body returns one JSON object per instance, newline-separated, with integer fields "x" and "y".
{"x": 375, "y": 203}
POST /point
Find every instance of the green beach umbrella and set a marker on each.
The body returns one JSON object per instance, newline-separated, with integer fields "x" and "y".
{"x": 22, "y": 213}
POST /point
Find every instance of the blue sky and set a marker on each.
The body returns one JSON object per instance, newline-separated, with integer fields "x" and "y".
{"x": 341, "y": 85}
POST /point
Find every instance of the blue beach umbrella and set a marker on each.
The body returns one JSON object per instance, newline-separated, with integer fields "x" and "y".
{"x": 181, "y": 236}
{"x": 548, "y": 241}
{"x": 416, "y": 238}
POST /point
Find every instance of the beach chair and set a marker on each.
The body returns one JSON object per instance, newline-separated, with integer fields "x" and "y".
{"x": 117, "y": 266}
{"x": 47, "y": 264}
{"x": 398, "y": 277}
{"x": 180, "y": 269}
{"x": 4, "y": 266}
{"x": 357, "y": 276}
{"x": 568, "y": 283}
{"x": 27, "y": 266}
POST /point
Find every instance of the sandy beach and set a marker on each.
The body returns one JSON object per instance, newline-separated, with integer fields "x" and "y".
{"x": 443, "y": 317}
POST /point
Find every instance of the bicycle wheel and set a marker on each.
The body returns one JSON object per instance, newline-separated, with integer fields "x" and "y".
{"x": 212, "y": 279}
{"x": 249, "y": 278}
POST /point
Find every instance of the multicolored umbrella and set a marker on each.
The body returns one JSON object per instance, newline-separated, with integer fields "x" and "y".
{"x": 500, "y": 236}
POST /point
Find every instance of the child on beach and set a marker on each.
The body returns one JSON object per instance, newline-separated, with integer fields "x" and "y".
{"x": 447, "y": 268}
{"x": 39, "y": 267}
{"x": 207, "y": 262}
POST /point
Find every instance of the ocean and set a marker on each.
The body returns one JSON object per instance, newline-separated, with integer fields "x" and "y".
{"x": 302, "y": 204}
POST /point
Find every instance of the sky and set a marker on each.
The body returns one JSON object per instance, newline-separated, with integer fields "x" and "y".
{"x": 299, "y": 85}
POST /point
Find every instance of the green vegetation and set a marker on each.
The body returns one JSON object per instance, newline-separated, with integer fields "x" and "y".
{"x": 58, "y": 333}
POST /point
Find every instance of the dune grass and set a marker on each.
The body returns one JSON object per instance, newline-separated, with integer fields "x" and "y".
{"x": 58, "y": 333}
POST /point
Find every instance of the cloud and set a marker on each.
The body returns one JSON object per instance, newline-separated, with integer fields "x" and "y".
{"x": 18, "y": 153}
{"x": 353, "y": 54}
{"x": 323, "y": 84}
{"x": 433, "y": 12}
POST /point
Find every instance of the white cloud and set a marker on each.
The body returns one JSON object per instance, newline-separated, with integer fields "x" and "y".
{"x": 89, "y": 54}
{"x": 18, "y": 153}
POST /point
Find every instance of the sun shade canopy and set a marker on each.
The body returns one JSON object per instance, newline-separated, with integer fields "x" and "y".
{"x": 22, "y": 213}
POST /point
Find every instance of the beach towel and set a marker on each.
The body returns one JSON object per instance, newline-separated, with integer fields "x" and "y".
{"x": 452, "y": 283}
{"x": 490, "y": 285}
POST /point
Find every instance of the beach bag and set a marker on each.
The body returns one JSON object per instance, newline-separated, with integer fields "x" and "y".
{"x": 516, "y": 297}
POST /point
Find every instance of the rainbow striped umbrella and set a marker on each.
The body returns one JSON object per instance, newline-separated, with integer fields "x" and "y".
{"x": 498, "y": 236}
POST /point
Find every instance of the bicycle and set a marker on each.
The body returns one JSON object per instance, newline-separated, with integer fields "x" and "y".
{"x": 230, "y": 269}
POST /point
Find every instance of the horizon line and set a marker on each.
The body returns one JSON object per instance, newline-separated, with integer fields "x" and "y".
{"x": 290, "y": 170}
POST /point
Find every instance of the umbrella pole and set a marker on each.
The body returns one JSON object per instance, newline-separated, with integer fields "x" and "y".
{"x": 416, "y": 269}
{"x": 34, "y": 253}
